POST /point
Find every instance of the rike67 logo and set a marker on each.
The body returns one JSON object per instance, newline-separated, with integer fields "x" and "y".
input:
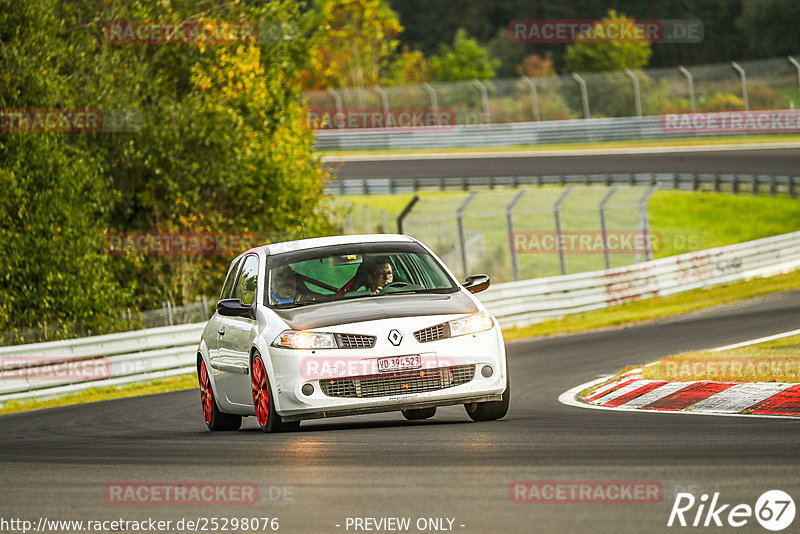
{"x": 774, "y": 510}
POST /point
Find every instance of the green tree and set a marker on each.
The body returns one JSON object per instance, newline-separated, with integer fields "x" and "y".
{"x": 53, "y": 270}
{"x": 597, "y": 50}
{"x": 224, "y": 146}
{"x": 466, "y": 59}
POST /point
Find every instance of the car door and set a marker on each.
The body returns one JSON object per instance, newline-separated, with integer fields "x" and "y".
{"x": 215, "y": 323}
{"x": 235, "y": 337}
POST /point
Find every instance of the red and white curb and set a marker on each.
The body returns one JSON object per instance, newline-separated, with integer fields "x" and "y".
{"x": 630, "y": 391}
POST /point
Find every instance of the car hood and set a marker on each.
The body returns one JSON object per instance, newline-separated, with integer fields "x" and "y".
{"x": 375, "y": 308}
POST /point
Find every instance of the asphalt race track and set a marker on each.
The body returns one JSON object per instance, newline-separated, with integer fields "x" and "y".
{"x": 56, "y": 463}
{"x": 744, "y": 161}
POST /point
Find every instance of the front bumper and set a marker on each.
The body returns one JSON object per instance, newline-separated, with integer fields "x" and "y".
{"x": 291, "y": 371}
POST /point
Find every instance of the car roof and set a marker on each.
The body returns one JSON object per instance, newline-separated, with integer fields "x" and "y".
{"x": 317, "y": 242}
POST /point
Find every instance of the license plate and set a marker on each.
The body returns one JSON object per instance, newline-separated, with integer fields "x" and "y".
{"x": 399, "y": 363}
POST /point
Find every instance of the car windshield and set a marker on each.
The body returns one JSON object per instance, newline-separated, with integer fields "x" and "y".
{"x": 353, "y": 271}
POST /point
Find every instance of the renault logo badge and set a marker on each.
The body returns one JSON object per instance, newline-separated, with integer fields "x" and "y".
{"x": 395, "y": 337}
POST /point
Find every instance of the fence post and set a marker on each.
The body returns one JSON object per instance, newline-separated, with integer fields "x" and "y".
{"x": 637, "y": 94}
{"x": 584, "y": 94}
{"x": 167, "y": 312}
{"x": 434, "y": 99}
{"x": 794, "y": 62}
{"x": 559, "y": 238}
{"x": 487, "y": 114}
{"x": 461, "y": 237}
{"x": 384, "y": 101}
{"x": 405, "y": 212}
{"x": 690, "y": 80}
{"x": 603, "y": 227}
{"x": 534, "y": 98}
{"x": 511, "y": 241}
{"x": 644, "y": 224}
{"x": 338, "y": 99}
{"x": 204, "y": 308}
{"x": 743, "y": 76}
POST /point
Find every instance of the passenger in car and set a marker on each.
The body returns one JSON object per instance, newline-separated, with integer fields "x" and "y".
{"x": 284, "y": 287}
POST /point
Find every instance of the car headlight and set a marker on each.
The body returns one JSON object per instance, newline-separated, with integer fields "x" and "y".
{"x": 294, "y": 339}
{"x": 477, "y": 322}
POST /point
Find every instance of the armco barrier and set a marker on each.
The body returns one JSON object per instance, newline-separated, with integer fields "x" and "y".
{"x": 504, "y": 135}
{"x": 728, "y": 182}
{"x": 59, "y": 367}
{"x": 43, "y": 369}
{"x": 530, "y": 301}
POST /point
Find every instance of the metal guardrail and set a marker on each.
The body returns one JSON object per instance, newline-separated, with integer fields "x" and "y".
{"x": 735, "y": 183}
{"x": 34, "y": 370}
{"x": 518, "y": 304}
{"x": 508, "y": 134}
{"x": 61, "y": 367}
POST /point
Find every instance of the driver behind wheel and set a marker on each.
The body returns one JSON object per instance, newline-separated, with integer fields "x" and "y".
{"x": 379, "y": 275}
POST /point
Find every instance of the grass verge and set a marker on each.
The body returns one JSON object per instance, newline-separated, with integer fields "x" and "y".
{"x": 659, "y": 307}
{"x": 772, "y": 361}
{"x": 162, "y": 385}
{"x": 686, "y": 221}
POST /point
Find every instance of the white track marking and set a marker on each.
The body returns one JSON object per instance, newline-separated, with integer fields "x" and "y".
{"x": 755, "y": 341}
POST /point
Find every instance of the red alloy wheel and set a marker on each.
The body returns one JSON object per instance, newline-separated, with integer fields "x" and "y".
{"x": 206, "y": 395}
{"x": 260, "y": 391}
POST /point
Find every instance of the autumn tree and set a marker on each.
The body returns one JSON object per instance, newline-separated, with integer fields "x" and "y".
{"x": 353, "y": 43}
{"x": 602, "y": 48}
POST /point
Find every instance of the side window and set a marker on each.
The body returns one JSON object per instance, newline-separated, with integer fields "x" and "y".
{"x": 228, "y": 285}
{"x": 247, "y": 281}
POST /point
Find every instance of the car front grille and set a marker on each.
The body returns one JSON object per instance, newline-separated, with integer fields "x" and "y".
{"x": 392, "y": 384}
{"x": 440, "y": 331}
{"x": 355, "y": 341}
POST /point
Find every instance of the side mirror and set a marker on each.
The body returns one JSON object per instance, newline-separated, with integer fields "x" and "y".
{"x": 477, "y": 283}
{"x": 235, "y": 308}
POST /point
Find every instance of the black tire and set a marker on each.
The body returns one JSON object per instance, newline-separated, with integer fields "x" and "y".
{"x": 215, "y": 419}
{"x": 266, "y": 415}
{"x": 489, "y": 411}
{"x": 419, "y": 413}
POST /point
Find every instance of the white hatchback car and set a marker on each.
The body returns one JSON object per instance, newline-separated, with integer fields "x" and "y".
{"x": 347, "y": 325}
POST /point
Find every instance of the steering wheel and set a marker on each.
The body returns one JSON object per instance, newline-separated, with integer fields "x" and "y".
{"x": 394, "y": 284}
